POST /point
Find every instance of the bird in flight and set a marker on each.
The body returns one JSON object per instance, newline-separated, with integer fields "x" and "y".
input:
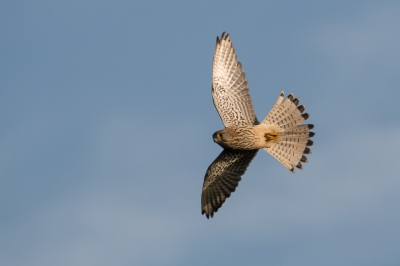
{"x": 281, "y": 133}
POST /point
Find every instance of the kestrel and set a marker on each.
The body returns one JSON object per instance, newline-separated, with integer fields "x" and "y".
{"x": 281, "y": 133}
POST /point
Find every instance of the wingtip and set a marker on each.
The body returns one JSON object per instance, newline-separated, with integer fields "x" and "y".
{"x": 224, "y": 36}
{"x": 206, "y": 213}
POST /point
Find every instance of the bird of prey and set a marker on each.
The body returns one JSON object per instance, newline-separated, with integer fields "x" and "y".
{"x": 281, "y": 133}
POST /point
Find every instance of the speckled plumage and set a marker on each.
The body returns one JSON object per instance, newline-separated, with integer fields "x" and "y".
{"x": 222, "y": 178}
{"x": 280, "y": 133}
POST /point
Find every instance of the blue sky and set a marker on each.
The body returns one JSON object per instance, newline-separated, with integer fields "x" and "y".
{"x": 107, "y": 117}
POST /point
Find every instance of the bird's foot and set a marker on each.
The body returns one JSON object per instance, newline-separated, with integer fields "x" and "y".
{"x": 271, "y": 136}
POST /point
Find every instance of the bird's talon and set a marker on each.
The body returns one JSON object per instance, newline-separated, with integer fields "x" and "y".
{"x": 271, "y": 136}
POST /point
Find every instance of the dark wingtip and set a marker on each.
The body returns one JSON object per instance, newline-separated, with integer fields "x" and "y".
{"x": 309, "y": 142}
{"x": 290, "y": 97}
{"x": 310, "y": 126}
{"x": 222, "y": 37}
{"x": 296, "y": 101}
{"x": 307, "y": 151}
{"x": 311, "y": 134}
{"x": 204, "y": 211}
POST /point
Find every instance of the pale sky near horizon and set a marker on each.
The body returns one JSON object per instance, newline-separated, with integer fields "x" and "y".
{"x": 107, "y": 117}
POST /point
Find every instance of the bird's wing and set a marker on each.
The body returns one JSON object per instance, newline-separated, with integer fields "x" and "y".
{"x": 222, "y": 178}
{"x": 229, "y": 86}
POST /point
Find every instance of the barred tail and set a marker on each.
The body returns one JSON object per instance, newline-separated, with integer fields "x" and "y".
{"x": 294, "y": 140}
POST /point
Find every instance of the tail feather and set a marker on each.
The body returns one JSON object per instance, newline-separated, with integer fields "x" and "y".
{"x": 286, "y": 113}
{"x": 277, "y": 154}
{"x": 295, "y": 147}
{"x": 296, "y": 140}
{"x": 299, "y": 134}
{"x": 296, "y": 119}
{"x": 295, "y": 137}
{"x": 275, "y": 110}
{"x": 299, "y": 129}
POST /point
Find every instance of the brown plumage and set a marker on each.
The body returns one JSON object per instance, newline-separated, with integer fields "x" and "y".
{"x": 280, "y": 133}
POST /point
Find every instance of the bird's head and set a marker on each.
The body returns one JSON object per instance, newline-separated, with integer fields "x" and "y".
{"x": 222, "y": 137}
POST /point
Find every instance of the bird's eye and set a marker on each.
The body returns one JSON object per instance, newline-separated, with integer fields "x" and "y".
{"x": 220, "y": 135}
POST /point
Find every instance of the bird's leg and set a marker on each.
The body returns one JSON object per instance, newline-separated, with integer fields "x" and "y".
{"x": 271, "y": 136}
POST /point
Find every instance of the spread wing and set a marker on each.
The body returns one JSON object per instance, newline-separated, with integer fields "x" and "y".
{"x": 229, "y": 86}
{"x": 222, "y": 178}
